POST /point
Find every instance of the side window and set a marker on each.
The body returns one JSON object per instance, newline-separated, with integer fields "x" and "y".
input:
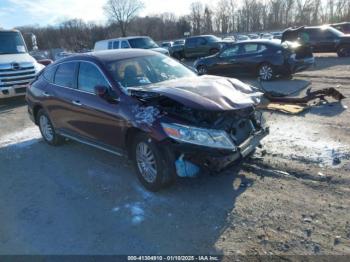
{"x": 262, "y": 48}
{"x": 110, "y": 44}
{"x": 65, "y": 75}
{"x": 49, "y": 73}
{"x": 125, "y": 44}
{"x": 191, "y": 42}
{"x": 116, "y": 45}
{"x": 230, "y": 51}
{"x": 89, "y": 77}
{"x": 201, "y": 41}
{"x": 250, "y": 48}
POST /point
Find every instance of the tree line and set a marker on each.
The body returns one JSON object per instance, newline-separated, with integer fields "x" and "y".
{"x": 226, "y": 17}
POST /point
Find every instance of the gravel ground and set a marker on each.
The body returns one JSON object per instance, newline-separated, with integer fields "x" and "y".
{"x": 292, "y": 197}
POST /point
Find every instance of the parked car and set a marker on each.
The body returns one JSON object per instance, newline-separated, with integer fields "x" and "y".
{"x": 240, "y": 38}
{"x": 166, "y": 45}
{"x": 266, "y": 36}
{"x": 229, "y": 38}
{"x": 142, "y": 42}
{"x": 322, "y": 39}
{"x": 199, "y": 46}
{"x": 17, "y": 67}
{"x": 149, "y": 107}
{"x": 253, "y": 36}
{"x": 176, "y": 50}
{"x": 264, "y": 58}
{"x": 276, "y": 35}
{"x": 61, "y": 55}
{"x": 342, "y": 27}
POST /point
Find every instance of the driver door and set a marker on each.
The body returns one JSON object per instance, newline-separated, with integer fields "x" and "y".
{"x": 227, "y": 61}
{"x": 96, "y": 119}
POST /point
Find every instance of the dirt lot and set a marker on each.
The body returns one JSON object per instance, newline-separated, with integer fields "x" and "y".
{"x": 292, "y": 197}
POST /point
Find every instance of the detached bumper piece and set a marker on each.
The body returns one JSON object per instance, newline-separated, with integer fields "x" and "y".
{"x": 216, "y": 160}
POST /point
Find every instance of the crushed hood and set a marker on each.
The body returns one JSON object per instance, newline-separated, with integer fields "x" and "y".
{"x": 206, "y": 92}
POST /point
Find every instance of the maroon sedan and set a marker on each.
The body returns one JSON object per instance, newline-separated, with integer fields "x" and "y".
{"x": 147, "y": 106}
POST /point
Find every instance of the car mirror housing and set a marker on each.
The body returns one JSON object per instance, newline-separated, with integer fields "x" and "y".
{"x": 101, "y": 91}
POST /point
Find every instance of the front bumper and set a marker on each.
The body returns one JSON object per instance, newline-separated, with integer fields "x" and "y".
{"x": 216, "y": 160}
{"x": 12, "y": 91}
{"x": 298, "y": 65}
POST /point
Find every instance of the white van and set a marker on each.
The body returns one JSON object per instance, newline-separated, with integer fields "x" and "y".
{"x": 17, "y": 67}
{"x": 143, "y": 42}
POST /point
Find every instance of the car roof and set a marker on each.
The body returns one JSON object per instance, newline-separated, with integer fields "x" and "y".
{"x": 124, "y": 38}
{"x": 107, "y": 56}
{"x": 261, "y": 41}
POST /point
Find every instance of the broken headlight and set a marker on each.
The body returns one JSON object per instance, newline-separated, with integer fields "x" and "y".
{"x": 199, "y": 136}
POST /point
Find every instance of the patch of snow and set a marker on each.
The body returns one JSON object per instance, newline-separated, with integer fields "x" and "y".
{"x": 145, "y": 115}
{"x": 299, "y": 141}
{"x": 21, "y": 139}
{"x": 137, "y": 213}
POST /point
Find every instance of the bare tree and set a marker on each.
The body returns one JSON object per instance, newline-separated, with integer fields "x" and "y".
{"x": 196, "y": 17}
{"x": 123, "y": 11}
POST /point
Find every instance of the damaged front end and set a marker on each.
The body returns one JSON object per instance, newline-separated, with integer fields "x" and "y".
{"x": 197, "y": 137}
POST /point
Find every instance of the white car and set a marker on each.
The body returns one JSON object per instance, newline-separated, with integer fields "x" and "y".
{"x": 17, "y": 67}
{"x": 142, "y": 42}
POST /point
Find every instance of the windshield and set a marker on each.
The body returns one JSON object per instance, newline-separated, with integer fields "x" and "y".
{"x": 335, "y": 31}
{"x": 212, "y": 38}
{"x": 11, "y": 43}
{"x": 146, "y": 70}
{"x": 143, "y": 43}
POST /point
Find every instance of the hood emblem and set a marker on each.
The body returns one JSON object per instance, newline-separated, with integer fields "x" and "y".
{"x": 15, "y": 66}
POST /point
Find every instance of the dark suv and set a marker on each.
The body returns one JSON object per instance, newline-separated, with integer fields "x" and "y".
{"x": 199, "y": 46}
{"x": 149, "y": 107}
{"x": 322, "y": 39}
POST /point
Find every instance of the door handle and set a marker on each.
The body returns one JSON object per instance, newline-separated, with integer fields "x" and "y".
{"x": 46, "y": 94}
{"x": 77, "y": 103}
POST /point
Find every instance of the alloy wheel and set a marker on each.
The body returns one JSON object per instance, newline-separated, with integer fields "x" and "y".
{"x": 46, "y": 128}
{"x": 202, "y": 70}
{"x": 265, "y": 72}
{"x": 146, "y": 162}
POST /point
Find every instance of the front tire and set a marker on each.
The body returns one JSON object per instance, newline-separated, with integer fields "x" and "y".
{"x": 154, "y": 168}
{"x": 343, "y": 51}
{"x": 202, "y": 70}
{"x": 266, "y": 72}
{"x": 47, "y": 129}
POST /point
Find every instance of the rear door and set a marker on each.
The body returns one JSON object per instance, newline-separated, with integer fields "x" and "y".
{"x": 190, "y": 47}
{"x": 60, "y": 96}
{"x": 202, "y": 47}
{"x": 250, "y": 56}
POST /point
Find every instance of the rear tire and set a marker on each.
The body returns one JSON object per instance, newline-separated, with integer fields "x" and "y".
{"x": 202, "y": 70}
{"x": 47, "y": 129}
{"x": 213, "y": 51}
{"x": 154, "y": 168}
{"x": 266, "y": 72}
{"x": 343, "y": 51}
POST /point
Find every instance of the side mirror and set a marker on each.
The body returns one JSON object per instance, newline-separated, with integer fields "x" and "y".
{"x": 101, "y": 91}
{"x": 105, "y": 93}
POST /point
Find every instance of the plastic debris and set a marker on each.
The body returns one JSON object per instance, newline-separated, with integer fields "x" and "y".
{"x": 185, "y": 168}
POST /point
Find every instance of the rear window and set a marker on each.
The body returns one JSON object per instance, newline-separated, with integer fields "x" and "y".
{"x": 65, "y": 75}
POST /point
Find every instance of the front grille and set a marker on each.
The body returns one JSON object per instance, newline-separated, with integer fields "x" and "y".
{"x": 20, "y": 77}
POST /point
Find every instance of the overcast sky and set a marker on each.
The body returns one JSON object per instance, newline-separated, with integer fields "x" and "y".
{"x": 43, "y": 12}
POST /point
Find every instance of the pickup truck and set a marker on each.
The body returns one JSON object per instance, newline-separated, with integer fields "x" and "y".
{"x": 17, "y": 67}
{"x": 198, "y": 46}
